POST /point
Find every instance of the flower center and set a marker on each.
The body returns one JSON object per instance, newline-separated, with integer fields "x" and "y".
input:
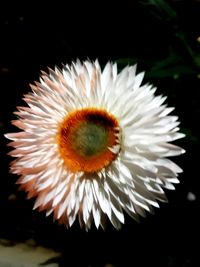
{"x": 89, "y": 139}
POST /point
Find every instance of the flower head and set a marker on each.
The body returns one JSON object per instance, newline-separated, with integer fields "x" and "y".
{"x": 94, "y": 144}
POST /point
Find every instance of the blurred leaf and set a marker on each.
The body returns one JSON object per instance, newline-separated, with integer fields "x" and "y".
{"x": 159, "y": 8}
{"x": 171, "y": 60}
{"x": 175, "y": 72}
{"x": 181, "y": 36}
{"x": 184, "y": 48}
{"x": 172, "y": 66}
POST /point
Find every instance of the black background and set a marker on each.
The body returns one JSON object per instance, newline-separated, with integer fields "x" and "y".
{"x": 36, "y": 36}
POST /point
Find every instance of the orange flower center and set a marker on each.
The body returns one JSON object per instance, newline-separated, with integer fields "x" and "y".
{"x": 89, "y": 139}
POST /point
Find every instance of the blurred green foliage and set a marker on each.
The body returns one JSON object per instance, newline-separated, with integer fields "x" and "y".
{"x": 181, "y": 58}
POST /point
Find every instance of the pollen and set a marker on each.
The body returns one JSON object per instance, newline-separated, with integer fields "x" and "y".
{"x": 89, "y": 140}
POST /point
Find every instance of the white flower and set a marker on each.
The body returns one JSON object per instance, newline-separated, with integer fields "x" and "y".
{"x": 94, "y": 144}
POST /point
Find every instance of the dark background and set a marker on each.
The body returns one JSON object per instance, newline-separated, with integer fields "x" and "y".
{"x": 163, "y": 37}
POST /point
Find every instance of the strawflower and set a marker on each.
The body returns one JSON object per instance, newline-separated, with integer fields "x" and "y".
{"x": 95, "y": 144}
